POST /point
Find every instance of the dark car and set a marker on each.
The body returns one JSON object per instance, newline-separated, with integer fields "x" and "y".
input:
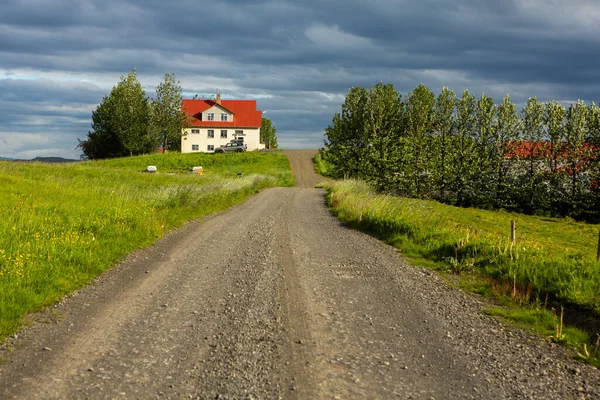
{"x": 231, "y": 148}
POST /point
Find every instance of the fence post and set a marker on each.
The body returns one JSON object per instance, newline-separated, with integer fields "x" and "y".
{"x": 513, "y": 235}
{"x": 598, "y": 253}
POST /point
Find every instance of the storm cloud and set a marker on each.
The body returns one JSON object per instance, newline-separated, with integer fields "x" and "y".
{"x": 297, "y": 58}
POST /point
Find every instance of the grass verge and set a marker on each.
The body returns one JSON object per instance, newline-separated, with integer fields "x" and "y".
{"x": 322, "y": 167}
{"x": 65, "y": 224}
{"x": 551, "y": 264}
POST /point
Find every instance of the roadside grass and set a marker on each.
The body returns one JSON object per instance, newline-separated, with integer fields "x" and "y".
{"x": 322, "y": 167}
{"x": 64, "y": 224}
{"x": 552, "y": 263}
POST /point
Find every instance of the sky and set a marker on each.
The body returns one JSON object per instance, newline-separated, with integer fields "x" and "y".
{"x": 297, "y": 58}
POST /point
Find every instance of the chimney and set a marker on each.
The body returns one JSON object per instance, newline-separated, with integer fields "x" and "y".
{"x": 218, "y": 98}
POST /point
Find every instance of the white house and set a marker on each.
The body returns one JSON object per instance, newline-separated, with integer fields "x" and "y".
{"x": 217, "y": 122}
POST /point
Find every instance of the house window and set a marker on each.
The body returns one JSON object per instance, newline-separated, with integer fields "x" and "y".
{"x": 224, "y": 117}
{"x": 210, "y": 116}
{"x": 211, "y": 133}
{"x": 210, "y": 147}
{"x": 239, "y": 132}
{"x": 224, "y": 134}
{"x": 195, "y": 130}
{"x": 195, "y": 147}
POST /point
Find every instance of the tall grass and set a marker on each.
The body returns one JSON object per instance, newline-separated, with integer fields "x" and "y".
{"x": 554, "y": 257}
{"x": 62, "y": 225}
{"x": 322, "y": 166}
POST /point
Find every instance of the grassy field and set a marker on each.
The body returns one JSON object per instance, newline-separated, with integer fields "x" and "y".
{"x": 552, "y": 263}
{"x": 63, "y": 225}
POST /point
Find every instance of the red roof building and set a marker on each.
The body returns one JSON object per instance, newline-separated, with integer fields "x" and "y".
{"x": 214, "y": 123}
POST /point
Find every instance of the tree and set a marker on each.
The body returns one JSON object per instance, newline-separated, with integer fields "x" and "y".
{"x": 576, "y": 131}
{"x": 485, "y": 112}
{"x": 532, "y": 117}
{"x": 346, "y": 138}
{"x": 419, "y": 129}
{"x": 444, "y": 121}
{"x": 594, "y": 149}
{"x": 168, "y": 119}
{"x": 267, "y": 133}
{"x": 382, "y": 125}
{"x": 130, "y": 117}
{"x": 464, "y": 152}
{"x": 121, "y": 123}
{"x": 554, "y": 117}
{"x": 335, "y": 152}
{"x": 506, "y": 132}
{"x": 533, "y": 114}
{"x": 102, "y": 141}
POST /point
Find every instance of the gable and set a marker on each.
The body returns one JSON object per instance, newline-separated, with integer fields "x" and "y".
{"x": 216, "y": 110}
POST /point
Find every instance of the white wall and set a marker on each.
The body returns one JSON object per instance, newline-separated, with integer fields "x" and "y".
{"x": 251, "y": 139}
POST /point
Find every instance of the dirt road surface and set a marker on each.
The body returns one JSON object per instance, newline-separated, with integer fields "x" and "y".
{"x": 275, "y": 298}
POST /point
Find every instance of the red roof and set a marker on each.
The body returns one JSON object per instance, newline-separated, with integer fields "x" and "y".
{"x": 524, "y": 149}
{"x": 245, "y": 113}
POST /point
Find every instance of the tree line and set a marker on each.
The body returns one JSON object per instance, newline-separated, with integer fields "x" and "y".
{"x": 543, "y": 159}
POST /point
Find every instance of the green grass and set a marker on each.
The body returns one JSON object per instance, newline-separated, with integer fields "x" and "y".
{"x": 542, "y": 321}
{"x": 63, "y": 225}
{"x": 322, "y": 167}
{"x": 552, "y": 262}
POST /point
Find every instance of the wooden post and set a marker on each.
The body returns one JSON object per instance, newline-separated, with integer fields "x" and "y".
{"x": 598, "y": 253}
{"x": 513, "y": 235}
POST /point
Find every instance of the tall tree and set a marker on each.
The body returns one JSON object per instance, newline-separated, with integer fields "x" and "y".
{"x": 444, "y": 122}
{"x": 102, "y": 141}
{"x": 485, "y": 112}
{"x": 267, "y": 133}
{"x": 464, "y": 149}
{"x": 554, "y": 117}
{"x": 594, "y": 149}
{"x": 419, "y": 129}
{"x": 506, "y": 133}
{"x": 594, "y": 139}
{"x": 130, "y": 118}
{"x": 532, "y": 117}
{"x": 382, "y": 125}
{"x": 576, "y": 131}
{"x": 336, "y": 152}
{"x": 120, "y": 124}
{"x": 354, "y": 138}
{"x": 168, "y": 118}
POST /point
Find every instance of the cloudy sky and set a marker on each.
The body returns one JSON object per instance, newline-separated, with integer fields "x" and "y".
{"x": 298, "y": 58}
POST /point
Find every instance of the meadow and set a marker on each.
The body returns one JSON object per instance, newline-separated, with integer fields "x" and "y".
{"x": 551, "y": 264}
{"x": 63, "y": 225}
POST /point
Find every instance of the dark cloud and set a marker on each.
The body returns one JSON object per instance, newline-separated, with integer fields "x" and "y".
{"x": 298, "y": 58}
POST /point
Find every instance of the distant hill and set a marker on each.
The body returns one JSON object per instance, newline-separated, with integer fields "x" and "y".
{"x": 52, "y": 160}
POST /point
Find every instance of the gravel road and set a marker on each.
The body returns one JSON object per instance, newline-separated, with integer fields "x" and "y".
{"x": 275, "y": 298}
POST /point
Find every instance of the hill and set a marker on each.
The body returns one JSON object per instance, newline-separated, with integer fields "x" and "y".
{"x": 53, "y": 160}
